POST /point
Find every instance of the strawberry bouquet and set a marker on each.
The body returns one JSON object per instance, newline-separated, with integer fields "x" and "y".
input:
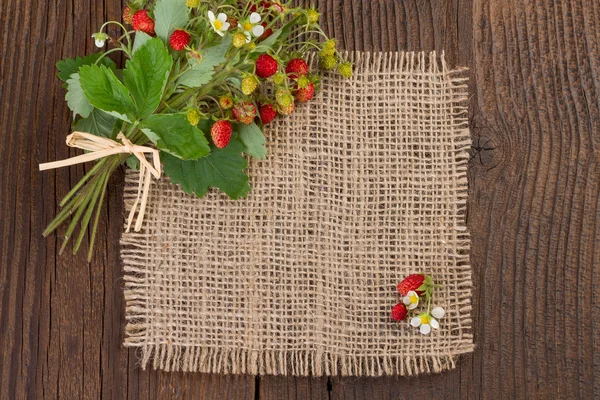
{"x": 202, "y": 78}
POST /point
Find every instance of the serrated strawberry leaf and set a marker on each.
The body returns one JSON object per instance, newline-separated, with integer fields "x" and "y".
{"x": 76, "y": 99}
{"x": 170, "y": 15}
{"x": 254, "y": 140}
{"x": 70, "y": 66}
{"x": 222, "y": 168}
{"x": 173, "y": 134}
{"x": 141, "y": 38}
{"x": 99, "y": 123}
{"x": 146, "y": 76}
{"x": 104, "y": 91}
{"x": 201, "y": 72}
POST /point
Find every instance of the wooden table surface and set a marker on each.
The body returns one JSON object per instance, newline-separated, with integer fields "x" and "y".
{"x": 533, "y": 210}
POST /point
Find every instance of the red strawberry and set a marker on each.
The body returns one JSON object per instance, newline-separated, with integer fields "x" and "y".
{"x": 128, "y": 15}
{"x": 296, "y": 67}
{"x": 305, "y": 94}
{"x": 179, "y": 39}
{"x": 221, "y": 133}
{"x": 268, "y": 32}
{"x": 267, "y": 113}
{"x": 244, "y": 112}
{"x": 142, "y": 22}
{"x": 266, "y": 66}
{"x": 411, "y": 282}
{"x": 399, "y": 312}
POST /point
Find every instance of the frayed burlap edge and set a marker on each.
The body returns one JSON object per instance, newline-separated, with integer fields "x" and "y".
{"x": 172, "y": 357}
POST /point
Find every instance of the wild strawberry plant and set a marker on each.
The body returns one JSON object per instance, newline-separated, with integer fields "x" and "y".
{"x": 201, "y": 80}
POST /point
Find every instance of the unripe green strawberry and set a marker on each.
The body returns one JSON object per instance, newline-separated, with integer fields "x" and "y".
{"x": 194, "y": 116}
{"x": 345, "y": 69}
{"x": 287, "y": 110}
{"x": 226, "y": 102}
{"x": 312, "y": 16}
{"x": 279, "y": 78}
{"x": 283, "y": 97}
{"x": 239, "y": 39}
{"x": 328, "y": 62}
{"x": 249, "y": 84}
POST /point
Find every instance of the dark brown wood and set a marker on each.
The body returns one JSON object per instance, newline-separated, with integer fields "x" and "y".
{"x": 533, "y": 209}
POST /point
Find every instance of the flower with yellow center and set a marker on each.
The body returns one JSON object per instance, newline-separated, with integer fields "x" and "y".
{"x": 426, "y": 321}
{"x": 411, "y": 300}
{"x": 251, "y": 27}
{"x": 219, "y": 23}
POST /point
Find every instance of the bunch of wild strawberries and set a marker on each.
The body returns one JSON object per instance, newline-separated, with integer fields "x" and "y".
{"x": 275, "y": 84}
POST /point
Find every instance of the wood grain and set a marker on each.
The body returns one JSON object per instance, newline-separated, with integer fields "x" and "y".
{"x": 534, "y": 208}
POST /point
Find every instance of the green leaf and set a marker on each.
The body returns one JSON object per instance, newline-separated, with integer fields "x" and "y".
{"x": 76, "y": 99}
{"x": 104, "y": 91}
{"x": 173, "y": 134}
{"x": 98, "y": 123}
{"x": 200, "y": 73}
{"x": 266, "y": 44}
{"x": 253, "y": 139}
{"x": 69, "y": 66}
{"x": 141, "y": 38}
{"x": 222, "y": 168}
{"x": 146, "y": 76}
{"x": 168, "y": 16}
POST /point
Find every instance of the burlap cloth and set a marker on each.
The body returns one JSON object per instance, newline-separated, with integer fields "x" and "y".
{"x": 362, "y": 186}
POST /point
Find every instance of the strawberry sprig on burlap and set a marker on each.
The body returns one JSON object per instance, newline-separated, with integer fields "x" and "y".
{"x": 413, "y": 289}
{"x": 201, "y": 80}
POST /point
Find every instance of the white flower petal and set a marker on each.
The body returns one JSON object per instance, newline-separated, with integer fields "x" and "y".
{"x": 254, "y": 18}
{"x": 412, "y": 306}
{"x": 222, "y": 17}
{"x": 416, "y": 321}
{"x": 225, "y": 26}
{"x": 434, "y": 323}
{"x": 406, "y": 300}
{"x": 100, "y": 43}
{"x": 219, "y": 32}
{"x": 248, "y": 37}
{"x": 258, "y": 30}
{"x": 211, "y": 16}
{"x": 425, "y": 329}
{"x": 438, "y": 312}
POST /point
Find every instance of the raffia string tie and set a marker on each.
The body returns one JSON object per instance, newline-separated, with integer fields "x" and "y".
{"x": 100, "y": 147}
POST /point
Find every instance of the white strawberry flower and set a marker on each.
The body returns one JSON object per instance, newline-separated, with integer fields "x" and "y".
{"x": 252, "y": 27}
{"x": 411, "y": 300}
{"x": 100, "y": 38}
{"x": 425, "y": 322}
{"x": 219, "y": 23}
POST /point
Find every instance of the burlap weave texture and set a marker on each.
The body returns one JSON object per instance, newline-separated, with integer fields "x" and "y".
{"x": 362, "y": 186}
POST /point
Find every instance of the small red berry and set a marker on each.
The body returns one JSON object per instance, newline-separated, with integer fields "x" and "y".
{"x": 244, "y": 112}
{"x": 411, "y": 282}
{"x": 142, "y": 22}
{"x": 221, "y": 133}
{"x": 399, "y": 312}
{"x": 267, "y": 113}
{"x": 296, "y": 67}
{"x": 305, "y": 94}
{"x": 266, "y": 66}
{"x": 268, "y": 32}
{"x": 128, "y": 15}
{"x": 179, "y": 39}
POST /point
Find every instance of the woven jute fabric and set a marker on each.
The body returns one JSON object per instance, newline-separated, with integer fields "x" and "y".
{"x": 362, "y": 186}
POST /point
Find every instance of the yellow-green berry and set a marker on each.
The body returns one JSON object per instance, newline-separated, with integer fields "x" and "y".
{"x": 328, "y": 62}
{"x": 279, "y": 78}
{"x": 302, "y": 82}
{"x": 192, "y": 3}
{"x": 330, "y": 44}
{"x": 345, "y": 69}
{"x": 226, "y": 102}
{"x": 325, "y": 52}
{"x": 251, "y": 46}
{"x": 313, "y": 16}
{"x": 194, "y": 116}
{"x": 239, "y": 39}
{"x": 249, "y": 84}
{"x": 283, "y": 97}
